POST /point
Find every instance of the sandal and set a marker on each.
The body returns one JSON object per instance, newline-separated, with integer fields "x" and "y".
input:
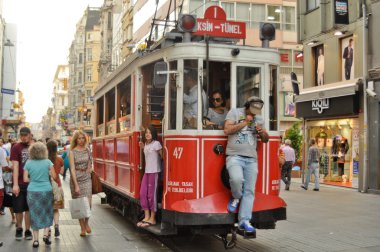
{"x": 36, "y": 244}
{"x": 46, "y": 240}
{"x": 83, "y": 234}
{"x": 88, "y": 230}
{"x": 147, "y": 224}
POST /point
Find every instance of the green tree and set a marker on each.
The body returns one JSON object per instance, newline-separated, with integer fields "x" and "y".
{"x": 295, "y": 135}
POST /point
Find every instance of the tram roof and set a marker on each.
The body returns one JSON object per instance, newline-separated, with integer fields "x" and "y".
{"x": 191, "y": 50}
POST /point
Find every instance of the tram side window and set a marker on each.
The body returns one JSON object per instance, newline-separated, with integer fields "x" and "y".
{"x": 273, "y": 98}
{"x": 110, "y": 112}
{"x": 124, "y": 105}
{"x": 172, "y": 96}
{"x": 190, "y": 95}
{"x": 100, "y": 117}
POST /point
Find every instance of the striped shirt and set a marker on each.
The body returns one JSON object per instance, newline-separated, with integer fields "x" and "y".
{"x": 314, "y": 155}
{"x": 289, "y": 154}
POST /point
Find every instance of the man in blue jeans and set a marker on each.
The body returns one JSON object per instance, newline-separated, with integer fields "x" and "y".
{"x": 243, "y": 126}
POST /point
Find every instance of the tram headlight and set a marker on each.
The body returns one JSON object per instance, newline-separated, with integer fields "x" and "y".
{"x": 235, "y": 52}
{"x": 187, "y": 23}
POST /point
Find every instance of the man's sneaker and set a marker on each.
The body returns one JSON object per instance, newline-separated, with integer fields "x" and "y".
{"x": 28, "y": 235}
{"x": 19, "y": 234}
{"x": 56, "y": 231}
{"x": 233, "y": 204}
{"x": 304, "y": 187}
{"x": 247, "y": 227}
{"x": 316, "y": 189}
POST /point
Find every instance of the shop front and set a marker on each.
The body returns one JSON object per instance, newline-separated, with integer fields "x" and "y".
{"x": 333, "y": 121}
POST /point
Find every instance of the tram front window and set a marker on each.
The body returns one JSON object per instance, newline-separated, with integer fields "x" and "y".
{"x": 248, "y": 81}
{"x": 173, "y": 96}
{"x": 190, "y": 95}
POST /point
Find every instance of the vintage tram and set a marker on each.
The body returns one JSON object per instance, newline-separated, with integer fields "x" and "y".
{"x": 149, "y": 88}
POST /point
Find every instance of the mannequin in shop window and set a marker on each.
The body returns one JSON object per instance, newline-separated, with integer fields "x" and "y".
{"x": 321, "y": 138}
{"x": 339, "y": 150}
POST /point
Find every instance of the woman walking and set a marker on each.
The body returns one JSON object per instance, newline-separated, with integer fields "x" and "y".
{"x": 57, "y": 161}
{"x": 148, "y": 190}
{"x": 37, "y": 172}
{"x": 80, "y": 169}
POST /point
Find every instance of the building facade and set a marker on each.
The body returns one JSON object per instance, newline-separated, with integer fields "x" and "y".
{"x": 84, "y": 58}
{"x": 332, "y": 102}
{"x": 60, "y": 101}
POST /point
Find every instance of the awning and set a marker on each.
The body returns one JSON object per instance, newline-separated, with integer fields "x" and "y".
{"x": 328, "y": 91}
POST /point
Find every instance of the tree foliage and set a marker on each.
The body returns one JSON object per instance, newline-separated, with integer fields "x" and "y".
{"x": 295, "y": 135}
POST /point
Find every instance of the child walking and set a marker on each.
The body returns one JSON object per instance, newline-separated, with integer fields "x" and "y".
{"x": 148, "y": 195}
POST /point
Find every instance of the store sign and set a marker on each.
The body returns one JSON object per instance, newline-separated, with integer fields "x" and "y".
{"x": 215, "y": 24}
{"x": 320, "y": 104}
{"x": 341, "y": 11}
{"x": 7, "y": 91}
{"x": 328, "y": 107}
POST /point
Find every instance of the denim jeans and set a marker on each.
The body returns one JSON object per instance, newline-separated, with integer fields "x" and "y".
{"x": 313, "y": 169}
{"x": 243, "y": 175}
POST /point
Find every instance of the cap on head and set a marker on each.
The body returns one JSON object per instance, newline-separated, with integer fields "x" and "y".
{"x": 25, "y": 131}
{"x": 254, "y": 104}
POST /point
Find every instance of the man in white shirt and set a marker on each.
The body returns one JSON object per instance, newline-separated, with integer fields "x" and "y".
{"x": 190, "y": 100}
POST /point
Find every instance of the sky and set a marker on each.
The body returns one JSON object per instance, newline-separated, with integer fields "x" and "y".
{"x": 45, "y": 31}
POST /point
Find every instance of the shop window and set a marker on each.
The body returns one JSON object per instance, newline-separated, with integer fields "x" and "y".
{"x": 319, "y": 63}
{"x": 338, "y": 144}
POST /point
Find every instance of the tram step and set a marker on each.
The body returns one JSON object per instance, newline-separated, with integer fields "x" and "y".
{"x": 161, "y": 229}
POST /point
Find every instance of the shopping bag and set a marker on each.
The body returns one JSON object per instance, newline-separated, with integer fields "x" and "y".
{"x": 96, "y": 184}
{"x": 80, "y": 208}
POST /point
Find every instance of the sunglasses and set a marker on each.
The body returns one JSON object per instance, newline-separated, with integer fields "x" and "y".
{"x": 216, "y": 99}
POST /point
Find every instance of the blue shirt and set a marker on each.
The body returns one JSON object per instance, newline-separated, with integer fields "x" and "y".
{"x": 39, "y": 178}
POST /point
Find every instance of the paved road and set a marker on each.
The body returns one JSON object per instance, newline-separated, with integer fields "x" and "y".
{"x": 332, "y": 219}
{"x": 110, "y": 233}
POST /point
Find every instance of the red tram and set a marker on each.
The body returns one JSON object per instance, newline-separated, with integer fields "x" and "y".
{"x": 148, "y": 89}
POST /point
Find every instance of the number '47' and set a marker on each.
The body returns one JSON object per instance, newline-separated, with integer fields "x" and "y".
{"x": 177, "y": 153}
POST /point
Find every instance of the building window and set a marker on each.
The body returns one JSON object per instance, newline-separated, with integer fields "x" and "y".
{"x": 80, "y": 58}
{"x": 274, "y": 15}
{"x": 63, "y": 101}
{"x": 257, "y": 15}
{"x": 196, "y": 8}
{"x": 89, "y": 54}
{"x": 229, "y": 8}
{"x": 89, "y": 36}
{"x": 89, "y": 73}
{"x": 109, "y": 21}
{"x": 312, "y": 4}
{"x": 288, "y": 18}
{"x": 242, "y": 13}
{"x": 79, "y": 77}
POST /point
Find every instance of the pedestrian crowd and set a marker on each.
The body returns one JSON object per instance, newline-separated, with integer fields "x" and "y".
{"x": 31, "y": 186}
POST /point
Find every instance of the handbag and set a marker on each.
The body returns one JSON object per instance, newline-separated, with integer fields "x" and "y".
{"x": 281, "y": 158}
{"x": 59, "y": 199}
{"x": 80, "y": 208}
{"x": 8, "y": 182}
{"x": 96, "y": 184}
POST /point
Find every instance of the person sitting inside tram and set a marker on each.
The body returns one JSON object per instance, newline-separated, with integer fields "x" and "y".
{"x": 190, "y": 100}
{"x": 217, "y": 113}
{"x": 125, "y": 105}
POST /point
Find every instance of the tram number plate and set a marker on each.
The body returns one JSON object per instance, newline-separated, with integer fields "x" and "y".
{"x": 177, "y": 153}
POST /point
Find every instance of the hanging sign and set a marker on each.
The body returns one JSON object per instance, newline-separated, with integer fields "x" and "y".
{"x": 215, "y": 24}
{"x": 341, "y": 11}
